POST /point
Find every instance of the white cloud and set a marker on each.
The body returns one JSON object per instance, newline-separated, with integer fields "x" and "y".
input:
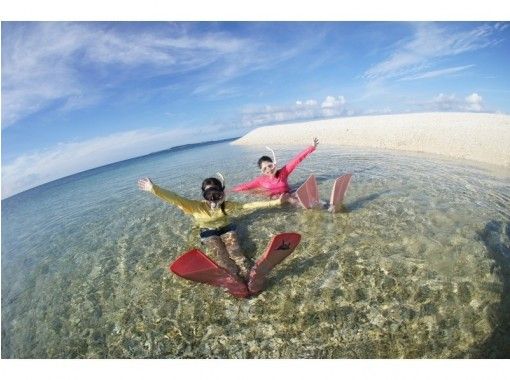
{"x": 413, "y": 58}
{"x": 44, "y": 62}
{"x": 474, "y": 102}
{"x": 332, "y": 102}
{"x": 36, "y": 168}
{"x": 437, "y": 73}
{"x": 445, "y": 102}
{"x": 302, "y": 110}
{"x": 501, "y": 25}
{"x": 451, "y": 103}
{"x": 306, "y": 103}
{"x": 337, "y": 106}
{"x": 377, "y": 111}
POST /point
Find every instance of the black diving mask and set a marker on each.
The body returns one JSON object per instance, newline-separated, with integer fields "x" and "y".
{"x": 213, "y": 195}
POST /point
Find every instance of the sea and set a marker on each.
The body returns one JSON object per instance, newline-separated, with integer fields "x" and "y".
{"x": 417, "y": 264}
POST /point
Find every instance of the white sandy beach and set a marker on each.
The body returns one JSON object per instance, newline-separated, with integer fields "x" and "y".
{"x": 480, "y": 137}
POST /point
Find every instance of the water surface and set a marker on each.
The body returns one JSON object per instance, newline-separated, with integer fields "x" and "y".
{"x": 417, "y": 266}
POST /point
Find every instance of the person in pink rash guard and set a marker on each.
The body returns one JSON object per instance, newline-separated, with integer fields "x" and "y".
{"x": 274, "y": 182}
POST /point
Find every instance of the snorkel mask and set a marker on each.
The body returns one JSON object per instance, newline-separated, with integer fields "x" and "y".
{"x": 215, "y": 194}
{"x": 269, "y": 168}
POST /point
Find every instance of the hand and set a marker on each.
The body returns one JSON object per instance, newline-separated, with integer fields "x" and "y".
{"x": 284, "y": 198}
{"x": 145, "y": 184}
{"x": 315, "y": 142}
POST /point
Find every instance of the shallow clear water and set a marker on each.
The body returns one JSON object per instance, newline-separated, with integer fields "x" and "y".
{"x": 417, "y": 266}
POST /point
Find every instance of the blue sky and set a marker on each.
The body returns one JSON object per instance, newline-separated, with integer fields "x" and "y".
{"x": 77, "y": 95}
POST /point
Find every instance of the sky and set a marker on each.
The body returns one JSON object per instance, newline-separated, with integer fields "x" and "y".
{"x": 77, "y": 95}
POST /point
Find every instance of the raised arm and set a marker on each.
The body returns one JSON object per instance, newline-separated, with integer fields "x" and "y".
{"x": 188, "y": 206}
{"x": 292, "y": 164}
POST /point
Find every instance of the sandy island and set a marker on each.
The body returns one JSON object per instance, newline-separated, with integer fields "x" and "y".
{"x": 480, "y": 137}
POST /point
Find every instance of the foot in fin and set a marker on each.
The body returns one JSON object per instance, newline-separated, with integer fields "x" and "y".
{"x": 308, "y": 193}
{"x": 194, "y": 265}
{"x": 338, "y": 192}
{"x": 279, "y": 248}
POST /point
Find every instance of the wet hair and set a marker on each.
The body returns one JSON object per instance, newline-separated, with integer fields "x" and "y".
{"x": 213, "y": 191}
{"x": 262, "y": 159}
{"x": 267, "y": 159}
{"x": 211, "y": 183}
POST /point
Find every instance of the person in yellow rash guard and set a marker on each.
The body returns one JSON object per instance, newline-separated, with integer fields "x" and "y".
{"x": 212, "y": 216}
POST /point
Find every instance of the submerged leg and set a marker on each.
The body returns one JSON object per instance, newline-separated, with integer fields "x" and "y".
{"x": 235, "y": 253}
{"x": 294, "y": 201}
{"x": 218, "y": 252}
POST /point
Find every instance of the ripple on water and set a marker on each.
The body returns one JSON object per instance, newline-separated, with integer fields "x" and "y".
{"x": 414, "y": 267}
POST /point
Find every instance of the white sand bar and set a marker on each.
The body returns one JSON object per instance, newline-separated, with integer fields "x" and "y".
{"x": 473, "y": 136}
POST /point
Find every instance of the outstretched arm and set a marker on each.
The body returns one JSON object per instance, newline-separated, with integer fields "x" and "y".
{"x": 188, "y": 206}
{"x": 252, "y": 206}
{"x": 253, "y": 184}
{"x": 292, "y": 164}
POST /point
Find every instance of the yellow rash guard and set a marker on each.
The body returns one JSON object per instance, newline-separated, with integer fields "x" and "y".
{"x": 204, "y": 215}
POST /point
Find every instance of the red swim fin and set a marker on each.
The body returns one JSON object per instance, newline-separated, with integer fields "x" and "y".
{"x": 338, "y": 192}
{"x": 308, "y": 193}
{"x": 196, "y": 266}
{"x": 279, "y": 248}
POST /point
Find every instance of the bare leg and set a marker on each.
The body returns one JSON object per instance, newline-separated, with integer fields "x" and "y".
{"x": 218, "y": 252}
{"x": 294, "y": 201}
{"x": 235, "y": 253}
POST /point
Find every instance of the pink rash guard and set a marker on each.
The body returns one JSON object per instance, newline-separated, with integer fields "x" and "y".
{"x": 278, "y": 184}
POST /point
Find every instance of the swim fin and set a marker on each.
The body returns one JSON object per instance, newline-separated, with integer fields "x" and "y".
{"x": 196, "y": 266}
{"x": 338, "y": 192}
{"x": 308, "y": 193}
{"x": 280, "y": 246}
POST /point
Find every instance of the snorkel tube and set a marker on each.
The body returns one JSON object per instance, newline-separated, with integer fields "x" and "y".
{"x": 274, "y": 156}
{"x": 222, "y": 180}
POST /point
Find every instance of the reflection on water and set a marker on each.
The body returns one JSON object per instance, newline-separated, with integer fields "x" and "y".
{"x": 417, "y": 266}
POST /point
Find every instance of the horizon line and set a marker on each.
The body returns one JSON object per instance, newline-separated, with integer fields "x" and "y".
{"x": 171, "y": 149}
